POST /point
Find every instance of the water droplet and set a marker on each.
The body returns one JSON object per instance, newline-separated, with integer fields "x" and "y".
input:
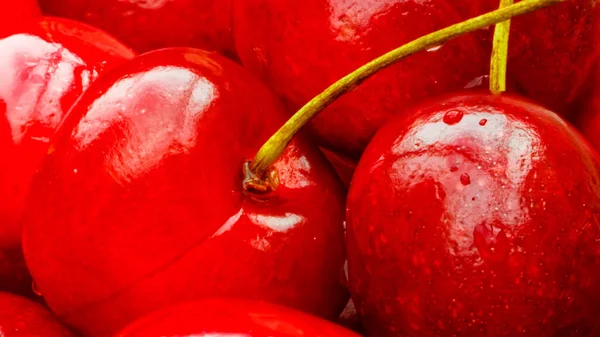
{"x": 435, "y": 48}
{"x": 41, "y": 139}
{"x": 483, "y": 122}
{"x": 453, "y": 169}
{"x": 465, "y": 179}
{"x": 75, "y": 171}
{"x": 452, "y": 117}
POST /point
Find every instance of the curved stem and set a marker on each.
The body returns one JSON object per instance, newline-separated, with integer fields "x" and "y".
{"x": 275, "y": 146}
{"x": 500, "y": 53}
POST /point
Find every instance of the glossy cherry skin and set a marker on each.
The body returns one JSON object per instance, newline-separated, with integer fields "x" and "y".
{"x": 149, "y": 25}
{"x": 44, "y": 68}
{"x": 551, "y": 52}
{"x": 140, "y": 203}
{"x": 20, "y": 317}
{"x": 300, "y": 47}
{"x": 476, "y": 216}
{"x": 14, "y": 14}
{"x": 222, "y": 317}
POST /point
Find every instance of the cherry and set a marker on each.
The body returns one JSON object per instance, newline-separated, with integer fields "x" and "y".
{"x": 300, "y": 47}
{"x": 44, "y": 67}
{"x": 20, "y": 317}
{"x": 149, "y": 25}
{"x": 14, "y": 14}
{"x": 142, "y": 203}
{"x": 476, "y": 214}
{"x": 551, "y": 52}
{"x": 232, "y": 317}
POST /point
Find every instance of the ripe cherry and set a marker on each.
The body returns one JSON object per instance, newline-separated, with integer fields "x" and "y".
{"x": 141, "y": 205}
{"x": 44, "y": 67}
{"x": 476, "y": 215}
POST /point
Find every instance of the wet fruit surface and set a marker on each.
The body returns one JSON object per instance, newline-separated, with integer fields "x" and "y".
{"x": 476, "y": 216}
{"x": 149, "y": 25}
{"x": 300, "y": 47}
{"x": 140, "y": 203}
{"x": 232, "y": 317}
{"x": 44, "y": 69}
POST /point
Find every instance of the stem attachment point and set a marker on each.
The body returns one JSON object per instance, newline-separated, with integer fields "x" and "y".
{"x": 276, "y": 145}
{"x": 259, "y": 186}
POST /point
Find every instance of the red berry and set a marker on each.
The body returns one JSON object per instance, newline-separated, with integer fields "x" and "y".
{"x": 44, "y": 68}
{"x": 140, "y": 204}
{"x": 476, "y": 230}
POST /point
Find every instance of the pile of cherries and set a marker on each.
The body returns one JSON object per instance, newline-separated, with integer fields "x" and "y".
{"x": 418, "y": 203}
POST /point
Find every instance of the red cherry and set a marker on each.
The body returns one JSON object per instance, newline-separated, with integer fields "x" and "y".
{"x": 551, "y": 52}
{"x": 222, "y": 317}
{"x": 20, "y": 317}
{"x": 44, "y": 69}
{"x": 516, "y": 250}
{"x": 300, "y": 47}
{"x": 140, "y": 204}
{"x": 149, "y": 25}
{"x": 14, "y": 14}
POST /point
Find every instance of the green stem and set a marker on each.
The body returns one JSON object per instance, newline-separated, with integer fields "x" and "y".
{"x": 275, "y": 146}
{"x": 500, "y": 53}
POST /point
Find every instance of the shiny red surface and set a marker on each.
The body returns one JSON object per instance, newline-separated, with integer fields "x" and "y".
{"x": 44, "y": 70}
{"x": 551, "y": 52}
{"x": 14, "y": 14}
{"x": 300, "y": 47}
{"x": 476, "y": 216}
{"x": 19, "y": 317}
{"x": 154, "y": 24}
{"x": 140, "y": 204}
{"x": 232, "y": 317}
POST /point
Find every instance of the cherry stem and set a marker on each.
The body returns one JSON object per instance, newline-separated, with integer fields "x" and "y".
{"x": 276, "y": 145}
{"x": 500, "y": 53}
